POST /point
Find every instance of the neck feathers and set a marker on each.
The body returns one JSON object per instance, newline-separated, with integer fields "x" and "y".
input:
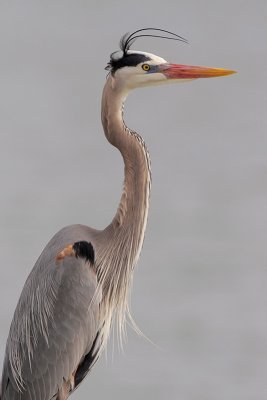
{"x": 137, "y": 172}
{"x": 124, "y": 237}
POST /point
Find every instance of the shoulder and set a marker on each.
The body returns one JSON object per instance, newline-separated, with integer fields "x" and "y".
{"x": 61, "y": 288}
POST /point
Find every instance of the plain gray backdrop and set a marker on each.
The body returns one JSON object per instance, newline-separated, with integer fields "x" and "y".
{"x": 200, "y": 288}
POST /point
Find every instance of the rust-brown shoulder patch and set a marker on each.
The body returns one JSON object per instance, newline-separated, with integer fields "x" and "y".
{"x": 80, "y": 249}
{"x": 67, "y": 252}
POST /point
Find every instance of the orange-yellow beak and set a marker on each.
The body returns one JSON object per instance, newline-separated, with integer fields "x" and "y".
{"x": 179, "y": 71}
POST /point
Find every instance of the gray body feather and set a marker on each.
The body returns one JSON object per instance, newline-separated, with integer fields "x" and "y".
{"x": 55, "y": 323}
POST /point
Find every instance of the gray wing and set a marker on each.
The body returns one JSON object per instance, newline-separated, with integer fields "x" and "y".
{"x": 55, "y": 325}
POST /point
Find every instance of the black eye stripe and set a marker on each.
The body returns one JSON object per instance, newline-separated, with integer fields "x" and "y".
{"x": 129, "y": 60}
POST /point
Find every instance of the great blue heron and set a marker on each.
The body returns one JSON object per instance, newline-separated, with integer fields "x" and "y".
{"x": 81, "y": 281}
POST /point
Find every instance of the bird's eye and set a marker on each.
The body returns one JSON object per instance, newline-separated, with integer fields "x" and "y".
{"x": 146, "y": 67}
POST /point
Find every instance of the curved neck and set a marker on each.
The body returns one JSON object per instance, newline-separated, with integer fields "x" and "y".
{"x": 133, "y": 207}
{"x": 122, "y": 240}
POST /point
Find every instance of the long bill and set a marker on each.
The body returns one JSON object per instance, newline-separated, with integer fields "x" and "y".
{"x": 179, "y": 71}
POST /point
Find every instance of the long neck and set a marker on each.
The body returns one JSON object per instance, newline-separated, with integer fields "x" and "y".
{"x": 123, "y": 238}
{"x": 131, "y": 216}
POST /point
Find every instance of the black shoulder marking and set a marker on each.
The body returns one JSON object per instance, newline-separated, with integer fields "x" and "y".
{"x": 87, "y": 363}
{"x": 84, "y": 250}
{"x": 128, "y": 60}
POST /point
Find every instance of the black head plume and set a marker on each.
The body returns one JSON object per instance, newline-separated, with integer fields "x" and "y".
{"x": 129, "y": 38}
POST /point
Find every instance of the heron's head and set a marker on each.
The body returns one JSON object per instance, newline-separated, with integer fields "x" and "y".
{"x": 133, "y": 69}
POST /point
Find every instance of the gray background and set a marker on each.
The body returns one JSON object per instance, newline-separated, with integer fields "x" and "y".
{"x": 199, "y": 291}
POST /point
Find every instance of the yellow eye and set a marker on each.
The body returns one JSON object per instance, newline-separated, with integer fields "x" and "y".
{"x": 146, "y": 67}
